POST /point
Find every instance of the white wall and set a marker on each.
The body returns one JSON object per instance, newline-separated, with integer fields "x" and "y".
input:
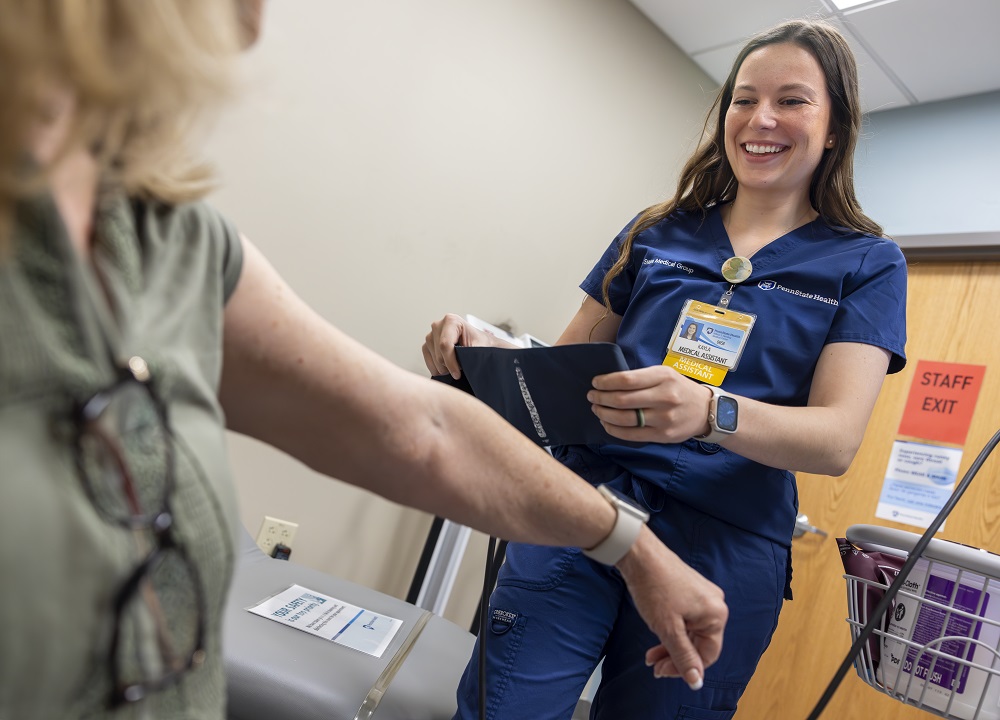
{"x": 397, "y": 160}
{"x": 932, "y": 169}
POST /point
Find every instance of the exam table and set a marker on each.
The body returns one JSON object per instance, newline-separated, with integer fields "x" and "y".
{"x": 276, "y": 671}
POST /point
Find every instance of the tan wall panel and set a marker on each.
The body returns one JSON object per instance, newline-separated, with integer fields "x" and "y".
{"x": 952, "y": 317}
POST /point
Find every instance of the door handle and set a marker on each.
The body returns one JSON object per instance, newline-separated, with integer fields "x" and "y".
{"x": 802, "y": 526}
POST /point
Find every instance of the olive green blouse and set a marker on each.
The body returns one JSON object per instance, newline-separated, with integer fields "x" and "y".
{"x": 155, "y": 287}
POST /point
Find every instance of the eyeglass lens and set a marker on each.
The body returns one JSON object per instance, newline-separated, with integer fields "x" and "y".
{"x": 126, "y": 454}
{"x": 126, "y": 461}
{"x": 158, "y": 635}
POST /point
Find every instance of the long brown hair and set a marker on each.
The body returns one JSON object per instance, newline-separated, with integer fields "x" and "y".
{"x": 141, "y": 75}
{"x": 707, "y": 178}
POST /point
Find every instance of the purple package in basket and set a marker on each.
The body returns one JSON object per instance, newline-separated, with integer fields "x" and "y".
{"x": 874, "y": 566}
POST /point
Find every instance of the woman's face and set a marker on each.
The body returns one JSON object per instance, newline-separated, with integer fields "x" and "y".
{"x": 778, "y": 124}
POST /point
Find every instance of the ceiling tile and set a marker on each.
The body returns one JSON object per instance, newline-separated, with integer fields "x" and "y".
{"x": 878, "y": 90}
{"x": 717, "y": 62}
{"x": 908, "y": 51}
{"x": 700, "y": 25}
{"x": 937, "y": 49}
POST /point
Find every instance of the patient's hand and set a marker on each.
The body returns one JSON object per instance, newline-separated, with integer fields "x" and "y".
{"x": 687, "y": 612}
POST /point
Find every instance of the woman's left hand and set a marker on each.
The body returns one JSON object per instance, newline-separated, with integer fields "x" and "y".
{"x": 653, "y": 404}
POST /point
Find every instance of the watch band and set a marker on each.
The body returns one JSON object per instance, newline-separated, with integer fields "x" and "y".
{"x": 627, "y": 526}
{"x": 715, "y": 433}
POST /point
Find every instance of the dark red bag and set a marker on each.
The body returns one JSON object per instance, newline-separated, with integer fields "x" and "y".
{"x": 876, "y": 566}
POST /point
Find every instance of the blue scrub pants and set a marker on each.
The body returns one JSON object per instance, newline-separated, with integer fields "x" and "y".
{"x": 555, "y": 614}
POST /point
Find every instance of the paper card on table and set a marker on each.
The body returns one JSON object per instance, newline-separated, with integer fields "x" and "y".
{"x": 330, "y": 619}
{"x": 941, "y": 401}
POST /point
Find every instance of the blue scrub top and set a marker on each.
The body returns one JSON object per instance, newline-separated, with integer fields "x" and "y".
{"x": 815, "y": 285}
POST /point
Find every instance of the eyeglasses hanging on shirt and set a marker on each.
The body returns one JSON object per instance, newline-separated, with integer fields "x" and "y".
{"x": 125, "y": 458}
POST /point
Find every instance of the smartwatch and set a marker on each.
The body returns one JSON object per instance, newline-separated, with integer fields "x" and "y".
{"x": 629, "y": 522}
{"x": 723, "y": 416}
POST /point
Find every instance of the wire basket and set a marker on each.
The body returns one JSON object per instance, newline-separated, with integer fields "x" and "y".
{"x": 938, "y": 645}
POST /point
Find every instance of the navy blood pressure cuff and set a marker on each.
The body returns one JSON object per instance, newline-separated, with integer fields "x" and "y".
{"x": 541, "y": 391}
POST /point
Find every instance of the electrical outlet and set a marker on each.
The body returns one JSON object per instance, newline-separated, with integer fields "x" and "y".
{"x": 274, "y": 531}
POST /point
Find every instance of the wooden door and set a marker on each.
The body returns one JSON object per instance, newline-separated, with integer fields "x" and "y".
{"x": 952, "y": 313}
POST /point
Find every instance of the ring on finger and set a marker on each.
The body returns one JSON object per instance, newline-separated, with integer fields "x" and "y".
{"x": 640, "y": 418}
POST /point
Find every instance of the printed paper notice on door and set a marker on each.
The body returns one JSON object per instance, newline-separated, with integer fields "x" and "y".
{"x": 941, "y": 400}
{"x": 331, "y": 619}
{"x": 918, "y": 482}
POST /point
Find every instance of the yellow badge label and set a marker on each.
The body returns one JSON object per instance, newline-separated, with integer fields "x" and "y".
{"x": 700, "y": 371}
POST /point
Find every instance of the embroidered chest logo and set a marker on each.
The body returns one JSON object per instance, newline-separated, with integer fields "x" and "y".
{"x": 772, "y": 285}
{"x": 669, "y": 263}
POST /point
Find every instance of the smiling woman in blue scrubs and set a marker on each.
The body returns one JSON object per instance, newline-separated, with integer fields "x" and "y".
{"x": 799, "y": 302}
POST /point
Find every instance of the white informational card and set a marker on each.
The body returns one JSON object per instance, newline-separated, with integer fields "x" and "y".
{"x": 918, "y": 482}
{"x": 331, "y": 619}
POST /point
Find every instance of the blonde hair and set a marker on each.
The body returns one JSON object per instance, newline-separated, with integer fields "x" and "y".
{"x": 142, "y": 73}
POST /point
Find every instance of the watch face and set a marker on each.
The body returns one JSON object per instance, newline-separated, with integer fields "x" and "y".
{"x": 726, "y": 412}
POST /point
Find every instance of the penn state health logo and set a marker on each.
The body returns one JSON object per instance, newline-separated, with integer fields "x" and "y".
{"x": 767, "y": 284}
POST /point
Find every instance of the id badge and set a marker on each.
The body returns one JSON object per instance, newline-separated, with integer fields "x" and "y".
{"x": 708, "y": 341}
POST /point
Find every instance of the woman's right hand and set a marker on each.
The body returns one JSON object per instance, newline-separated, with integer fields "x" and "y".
{"x": 445, "y": 334}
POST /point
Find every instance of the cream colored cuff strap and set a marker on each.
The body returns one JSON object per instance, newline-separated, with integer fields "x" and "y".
{"x": 627, "y": 526}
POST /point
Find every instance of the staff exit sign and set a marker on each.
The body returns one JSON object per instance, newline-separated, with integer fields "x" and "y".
{"x": 941, "y": 401}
